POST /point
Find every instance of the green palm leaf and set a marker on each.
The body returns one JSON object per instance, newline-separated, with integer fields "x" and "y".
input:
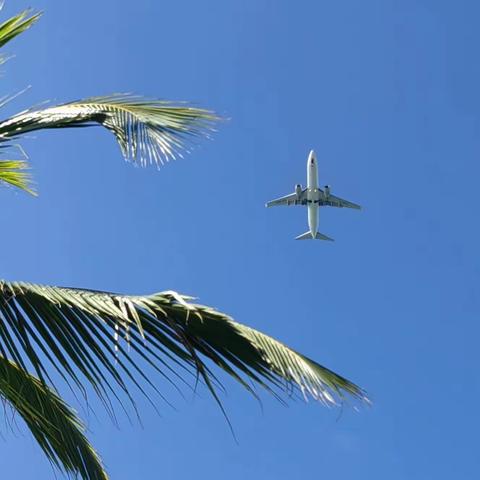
{"x": 16, "y": 25}
{"x": 12, "y": 172}
{"x": 80, "y": 332}
{"x": 148, "y": 131}
{"x": 57, "y": 429}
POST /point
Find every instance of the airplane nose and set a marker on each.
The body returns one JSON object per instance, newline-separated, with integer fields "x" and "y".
{"x": 312, "y": 157}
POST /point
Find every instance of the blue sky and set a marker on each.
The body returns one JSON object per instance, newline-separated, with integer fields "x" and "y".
{"x": 386, "y": 92}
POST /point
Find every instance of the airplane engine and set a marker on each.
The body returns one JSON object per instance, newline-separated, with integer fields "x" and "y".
{"x": 327, "y": 191}
{"x": 298, "y": 191}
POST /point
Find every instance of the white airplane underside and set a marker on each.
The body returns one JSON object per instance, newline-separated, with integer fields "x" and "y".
{"x": 313, "y": 198}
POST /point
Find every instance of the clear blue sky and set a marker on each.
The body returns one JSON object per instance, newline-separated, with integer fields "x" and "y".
{"x": 387, "y": 93}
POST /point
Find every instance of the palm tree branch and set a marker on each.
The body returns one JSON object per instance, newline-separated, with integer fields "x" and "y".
{"x": 77, "y": 325}
{"x": 54, "y": 425}
{"x": 148, "y": 131}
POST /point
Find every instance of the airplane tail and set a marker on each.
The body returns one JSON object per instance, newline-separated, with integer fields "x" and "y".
{"x": 318, "y": 236}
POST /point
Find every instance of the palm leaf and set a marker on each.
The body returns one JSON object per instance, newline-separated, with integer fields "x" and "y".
{"x": 16, "y": 25}
{"x": 12, "y": 172}
{"x": 80, "y": 332}
{"x": 148, "y": 131}
{"x": 56, "y": 427}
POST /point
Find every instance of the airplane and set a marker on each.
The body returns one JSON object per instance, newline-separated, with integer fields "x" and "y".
{"x": 313, "y": 197}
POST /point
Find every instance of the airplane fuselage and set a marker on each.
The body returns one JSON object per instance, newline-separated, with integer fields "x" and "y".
{"x": 312, "y": 193}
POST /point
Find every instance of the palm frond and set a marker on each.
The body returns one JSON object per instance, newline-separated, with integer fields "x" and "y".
{"x": 56, "y": 427}
{"x": 148, "y": 131}
{"x": 16, "y": 25}
{"x": 12, "y": 172}
{"x": 81, "y": 332}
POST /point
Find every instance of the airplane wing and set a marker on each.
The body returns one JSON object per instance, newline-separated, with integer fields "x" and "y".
{"x": 291, "y": 199}
{"x": 333, "y": 201}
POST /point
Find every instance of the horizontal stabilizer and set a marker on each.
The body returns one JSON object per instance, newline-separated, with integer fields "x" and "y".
{"x": 318, "y": 236}
{"x": 321, "y": 236}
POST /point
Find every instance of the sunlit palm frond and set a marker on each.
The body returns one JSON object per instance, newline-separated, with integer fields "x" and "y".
{"x": 13, "y": 172}
{"x": 17, "y": 24}
{"x": 148, "y": 131}
{"x": 56, "y": 427}
{"x": 82, "y": 331}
